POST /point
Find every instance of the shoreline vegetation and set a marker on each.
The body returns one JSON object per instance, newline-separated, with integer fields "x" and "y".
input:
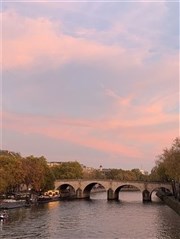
{"x": 34, "y": 175}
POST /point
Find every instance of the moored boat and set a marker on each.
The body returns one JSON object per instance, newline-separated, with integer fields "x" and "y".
{"x": 45, "y": 199}
{"x": 49, "y": 196}
{"x": 12, "y": 203}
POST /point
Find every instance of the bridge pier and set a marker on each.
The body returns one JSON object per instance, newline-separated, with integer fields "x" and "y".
{"x": 146, "y": 196}
{"x": 82, "y": 195}
{"x": 79, "y": 193}
{"x": 81, "y": 188}
{"x": 110, "y": 194}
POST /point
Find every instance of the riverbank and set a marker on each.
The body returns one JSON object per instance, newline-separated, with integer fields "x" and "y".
{"x": 170, "y": 201}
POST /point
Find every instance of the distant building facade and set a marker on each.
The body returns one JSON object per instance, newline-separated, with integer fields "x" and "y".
{"x": 51, "y": 164}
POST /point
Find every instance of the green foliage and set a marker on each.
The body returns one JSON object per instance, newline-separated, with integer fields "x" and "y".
{"x": 168, "y": 164}
{"x": 98, "y": 174}
{"x": 12, "y": 174}
{"x": 49, "y": 179}
{"x": 68, "y": 170}
{"x": 37, "y": 173}
{"x": 116, "y": 174}
{"x": 129, "y": 175}
{"x": 139, "y": 176}
{"x": 31, "y": 171}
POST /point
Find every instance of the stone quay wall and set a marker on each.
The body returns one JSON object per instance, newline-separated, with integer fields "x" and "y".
{"x": 170, "y": 201}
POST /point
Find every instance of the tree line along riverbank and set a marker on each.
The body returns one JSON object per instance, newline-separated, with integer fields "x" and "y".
{"x": 33, "y": 173}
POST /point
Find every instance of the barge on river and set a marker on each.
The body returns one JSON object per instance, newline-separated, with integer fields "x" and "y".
{"x": 12, "y": 203}
{"x": 50, "y": 196}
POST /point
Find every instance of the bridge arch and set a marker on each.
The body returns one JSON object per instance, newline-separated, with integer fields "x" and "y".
{"x": 88, "y": 188}
{"x": 66, "y": 190}
{"x": 81, "y": 188}
{"x": 124, "y": 186}
{"x": 164, "y": 189}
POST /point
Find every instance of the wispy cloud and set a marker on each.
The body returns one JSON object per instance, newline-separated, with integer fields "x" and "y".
{"x": 40, "y": 40}
{"x": 67, "y": 130}
{"x": 100, "y": 76}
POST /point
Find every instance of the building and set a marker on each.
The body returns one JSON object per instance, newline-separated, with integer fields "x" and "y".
{"x": 51, "y": 164}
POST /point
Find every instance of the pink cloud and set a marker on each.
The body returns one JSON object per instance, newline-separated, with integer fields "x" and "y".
{"x": 35, "y": 39}
{"x": 27, "y": 42}
{"x": 54, "y": 128}
{"x": 149, "y": 113}
{"x": 95, "y": 133}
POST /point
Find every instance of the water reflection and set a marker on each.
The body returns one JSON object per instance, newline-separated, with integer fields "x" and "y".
{"x": 170, "y": 223}
{"x": 134, "y": 197}
{"x": 95, "y": 218}
{"x": 154, "y": 198}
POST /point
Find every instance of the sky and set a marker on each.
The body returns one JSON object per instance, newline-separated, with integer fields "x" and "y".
{"x": 91, "y": 81}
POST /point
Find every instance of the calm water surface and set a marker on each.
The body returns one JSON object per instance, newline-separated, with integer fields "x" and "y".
{"x": 96, "y": 218}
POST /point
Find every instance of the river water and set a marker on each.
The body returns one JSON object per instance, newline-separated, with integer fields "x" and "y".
{"x": 97, "y": 218}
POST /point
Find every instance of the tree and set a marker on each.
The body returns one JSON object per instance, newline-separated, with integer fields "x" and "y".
{"x": 168, "y": 164}
{"x": 37, "y": 173}
{"x": 31, "y": 171}
{"x": 3, "y": 180}
{"x": 137, "y": 174}
{"x": 114, "y": 174}
{"x": 11, "y": 171}
{"x": 49, "y": 179}
{"x": 68, "y": 170}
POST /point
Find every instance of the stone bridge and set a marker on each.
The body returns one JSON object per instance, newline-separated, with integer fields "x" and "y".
{"x": 80, "y": 189}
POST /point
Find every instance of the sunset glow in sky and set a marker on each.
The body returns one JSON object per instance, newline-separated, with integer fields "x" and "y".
{"x": 96, "y": 82}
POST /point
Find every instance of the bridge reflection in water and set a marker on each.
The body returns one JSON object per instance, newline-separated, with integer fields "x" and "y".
{"x": 81, "y": 189}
